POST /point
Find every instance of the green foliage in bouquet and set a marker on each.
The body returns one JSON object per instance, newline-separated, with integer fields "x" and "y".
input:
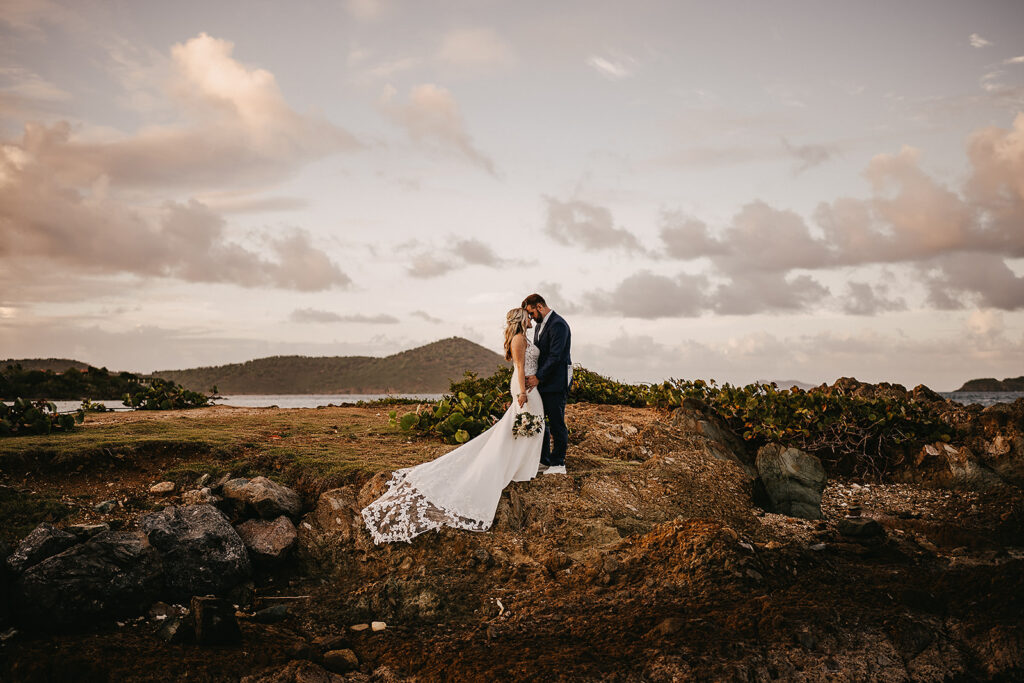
{"x": 160, "y": 394}
{"x": 35, "y": 417}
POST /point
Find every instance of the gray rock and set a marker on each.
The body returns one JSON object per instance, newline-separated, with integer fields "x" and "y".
{"x": 199, "y": 497}
{"x": 271, "y": 500}
{"x": 793, "y": 480}
{"x": 945, "y": 466}
{"x": 215, "y": 621}
{"x": 202, "y": 554}
{"x": 44, "y": 541}
{"x": 105, "y": 507}
{"x": 269, "y": 542}
{"x": 176, "y": 628}
{"x": 860, "y": 527}
{"x": 113, "y": 574}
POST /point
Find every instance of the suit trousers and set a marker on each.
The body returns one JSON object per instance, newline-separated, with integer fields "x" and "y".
{"x": 556, "y": 435}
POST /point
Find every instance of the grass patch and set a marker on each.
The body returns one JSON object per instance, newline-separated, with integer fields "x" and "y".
{"x": 21, "y": 512}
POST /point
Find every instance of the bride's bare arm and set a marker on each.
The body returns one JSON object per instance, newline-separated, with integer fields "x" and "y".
{"x": 518, "y": 360}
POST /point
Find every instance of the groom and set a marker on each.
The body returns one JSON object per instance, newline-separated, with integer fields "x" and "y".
{"x": 554, "y": 373}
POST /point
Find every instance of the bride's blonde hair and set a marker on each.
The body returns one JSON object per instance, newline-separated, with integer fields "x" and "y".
{"x": 515, "y": 323}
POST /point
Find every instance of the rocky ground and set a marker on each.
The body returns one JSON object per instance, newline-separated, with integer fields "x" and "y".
{"x": 649, "y": 561}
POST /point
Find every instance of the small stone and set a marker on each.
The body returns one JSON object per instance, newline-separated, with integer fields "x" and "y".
{"x": 668, "y": 626}
{"x": 378, "y": 625}
{"x": 328, "y": 643}
{"x": 163, "y": 488}
{"x": 340, "y": 661}
{"x": 818, "y": 547}
{"x": 359, "y": 627}
{"x": 756, "y": 576}
{"x": 176, "y": 628}
{"x": 202, "y": 481}
{"x": 860, "y": 527}
{"x": 407, "y": 564}
{"x": 105, "y": 507}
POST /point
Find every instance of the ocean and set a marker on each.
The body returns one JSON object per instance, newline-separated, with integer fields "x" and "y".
{"x": 985, "y": 398}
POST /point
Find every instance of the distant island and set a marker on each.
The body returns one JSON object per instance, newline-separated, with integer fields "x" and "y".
{"x": 992, "y": 384}
{"x": 427, "y": 369}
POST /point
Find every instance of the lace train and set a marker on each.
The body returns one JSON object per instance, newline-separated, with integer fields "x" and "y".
{"x": 403, "y": 513}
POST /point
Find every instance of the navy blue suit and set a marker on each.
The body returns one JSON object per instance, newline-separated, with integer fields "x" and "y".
{"x": 553, "y": 384}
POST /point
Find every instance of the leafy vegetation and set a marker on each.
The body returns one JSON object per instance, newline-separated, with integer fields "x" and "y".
{"x": 71, "y": 383}
{"x": 856, "y": 433}
{"x": 35, "y": 417}
{"x": 160, "y": 394}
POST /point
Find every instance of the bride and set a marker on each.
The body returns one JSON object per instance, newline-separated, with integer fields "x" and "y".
{"x": 461, "y": 489}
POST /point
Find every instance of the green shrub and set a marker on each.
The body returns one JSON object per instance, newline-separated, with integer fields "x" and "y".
{"x": 160, "y": 394}
{"x": 35, "y": 417}
{"x": 856, "y": 434}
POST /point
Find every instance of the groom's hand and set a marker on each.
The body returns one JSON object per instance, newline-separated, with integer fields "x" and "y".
{"x": 531, "y": 381}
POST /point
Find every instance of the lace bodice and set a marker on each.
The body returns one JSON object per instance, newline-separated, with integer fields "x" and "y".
{"x": 532, "y": 356}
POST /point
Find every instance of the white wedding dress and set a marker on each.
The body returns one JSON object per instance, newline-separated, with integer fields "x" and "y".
{"x": 461, "y": 489}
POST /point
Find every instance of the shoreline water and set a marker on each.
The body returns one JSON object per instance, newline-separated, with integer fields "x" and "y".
{"x": 984, "y": 398}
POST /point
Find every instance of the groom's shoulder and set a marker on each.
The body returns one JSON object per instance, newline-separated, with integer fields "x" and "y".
{"x": 557, "y": 318}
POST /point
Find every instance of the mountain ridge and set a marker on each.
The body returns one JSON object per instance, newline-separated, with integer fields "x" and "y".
{"x": 424, "y": 369}
{"x": 993, "y": 384}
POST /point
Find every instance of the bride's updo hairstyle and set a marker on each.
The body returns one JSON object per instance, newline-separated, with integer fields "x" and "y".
{"x": 515, "y": 323}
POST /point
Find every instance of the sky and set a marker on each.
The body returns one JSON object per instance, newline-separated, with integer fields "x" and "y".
{"x": 738, "y": 191}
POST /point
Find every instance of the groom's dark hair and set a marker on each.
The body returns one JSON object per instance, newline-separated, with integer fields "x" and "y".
{"x": 533, "y": 300}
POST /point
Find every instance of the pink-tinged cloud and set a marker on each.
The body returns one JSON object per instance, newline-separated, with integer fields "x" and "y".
{"x": 432, "y": 118}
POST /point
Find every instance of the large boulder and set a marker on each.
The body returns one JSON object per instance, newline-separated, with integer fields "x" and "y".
{"x": 113, "y": 574}
{"x": 793, "y": 480}
{"x": 44, "y": 541}
{"x": 942, "y": 465}
{"x": 202, "y": 553}
{"x": 263, "y": 497}
{"x": 268, "y": 542}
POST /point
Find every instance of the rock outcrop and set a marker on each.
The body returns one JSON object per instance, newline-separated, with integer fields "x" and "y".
{"x": 263, "y": 497}
{"x": 793, "y": 480}
{"x": 113, "y": 574}
{"x": 269, "y": 542}
{"x": 202, "y": 552}
{"x": 44, "y": 541}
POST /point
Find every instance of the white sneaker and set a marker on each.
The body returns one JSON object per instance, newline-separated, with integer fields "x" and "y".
{"x": 555, "y": 469}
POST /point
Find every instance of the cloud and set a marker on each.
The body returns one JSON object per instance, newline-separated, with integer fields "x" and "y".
{"x": 808, "y": 156}
{"x": 237, "y": 130}
{"x": 475, "y": 49}
{"x": 648, "y": 295}
{"x": 578, "y": 223}
{"x": 1014, "y": 60}
{"x": 313, "y": 315}
{"x": 612, "y": 69}
{"x": 423, "y": 315}
{"x": 368, "y": 10}
{"x": 959, "y": 238}
{"x": 866, "y": 299}
{"x": 977, "y": 41}
{"x": 432, "y": 117}
{"x": 475, "y": 252}
{"x": 432, "y": 262}
{"x": 98, "y": 207}
{"x": 92, "y": 233}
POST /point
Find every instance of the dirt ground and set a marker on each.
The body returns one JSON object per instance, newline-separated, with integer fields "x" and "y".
{"x": 648, "y": 562}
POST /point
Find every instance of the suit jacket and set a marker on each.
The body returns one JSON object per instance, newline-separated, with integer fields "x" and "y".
{"x": 555, "y": 361}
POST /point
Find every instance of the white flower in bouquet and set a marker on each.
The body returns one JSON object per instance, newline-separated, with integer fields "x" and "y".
{"x": 527, "y": 424}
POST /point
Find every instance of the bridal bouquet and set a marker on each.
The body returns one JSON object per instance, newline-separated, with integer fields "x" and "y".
{"x": 527, "y": 424}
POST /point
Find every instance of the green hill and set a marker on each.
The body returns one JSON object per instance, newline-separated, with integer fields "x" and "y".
{"x": 44, "y": 364}
{"x": 426, "y": 369}
{"x": 993, "y": 384}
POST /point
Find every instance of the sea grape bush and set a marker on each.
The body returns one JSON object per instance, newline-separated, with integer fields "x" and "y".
{"x": 35, "y": 417}
{"x": 161, "y": 394}
{"x": 858, "y": 434}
